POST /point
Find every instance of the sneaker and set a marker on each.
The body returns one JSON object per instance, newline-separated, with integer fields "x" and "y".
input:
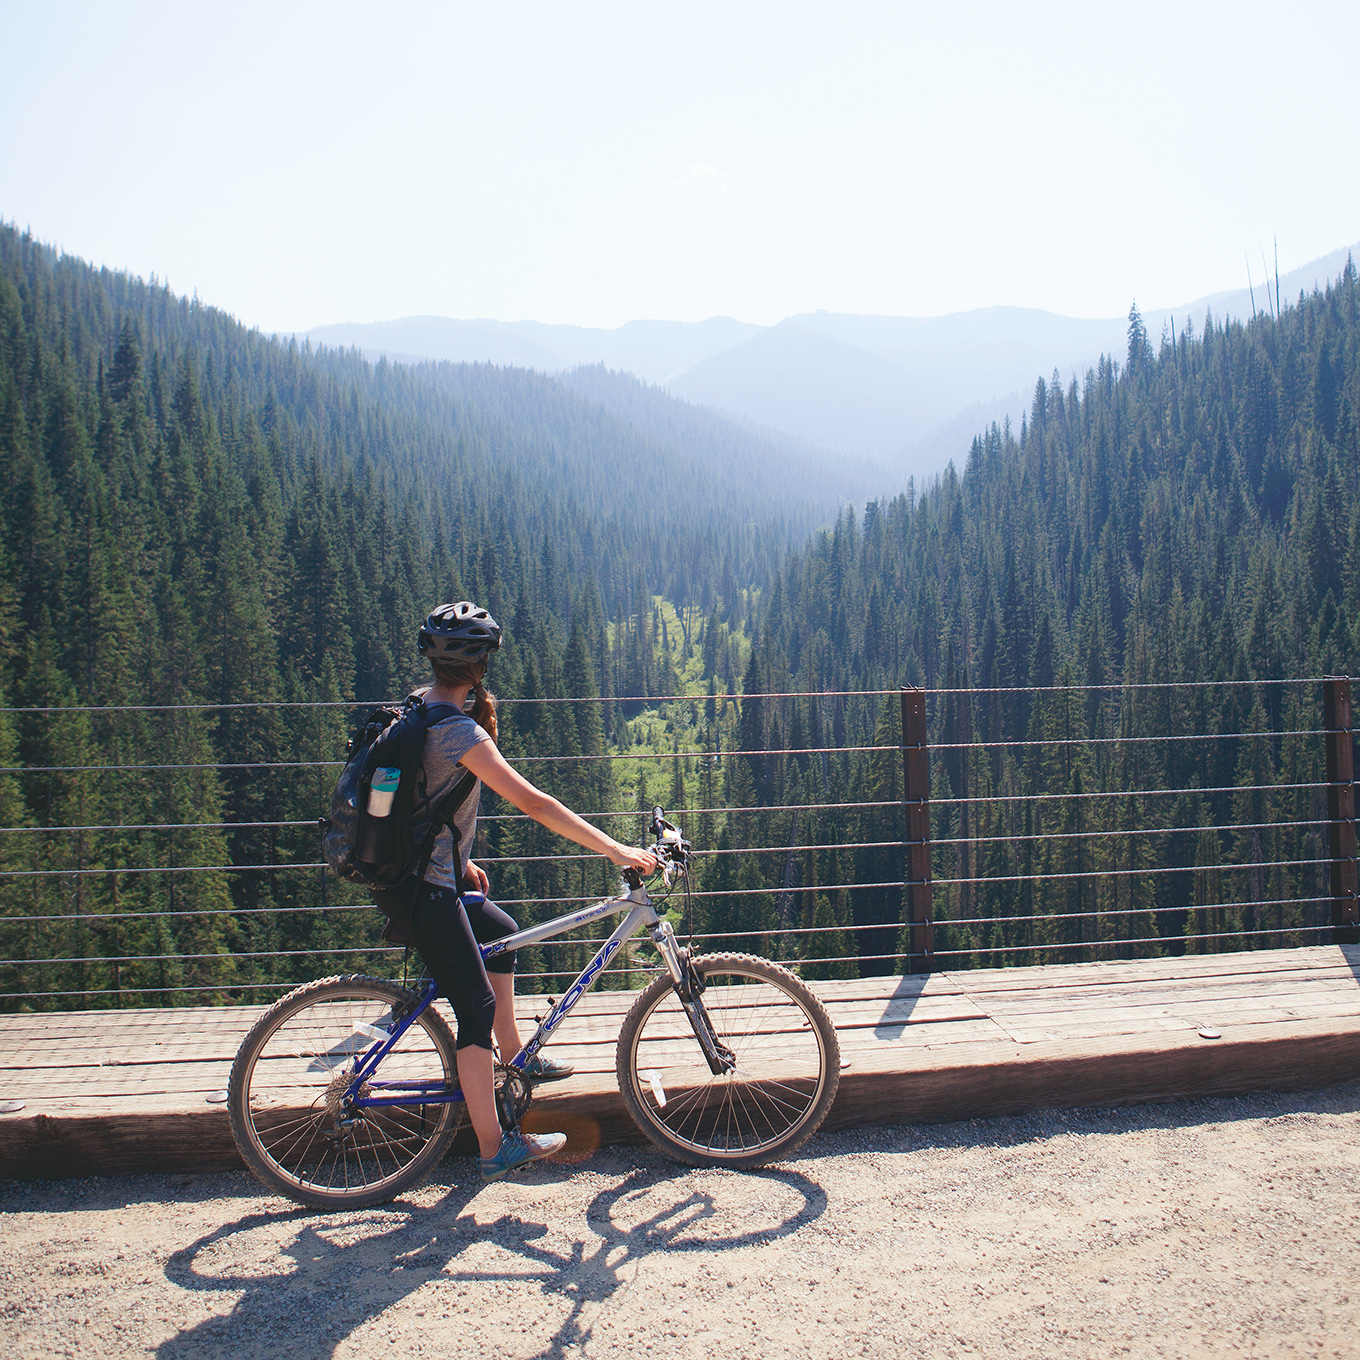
{"x": 542, "y": 1068}
{"x": 518, "y": 1148}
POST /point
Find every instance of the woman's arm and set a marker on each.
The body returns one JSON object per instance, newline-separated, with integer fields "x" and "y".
{"x": 487, "y": 763}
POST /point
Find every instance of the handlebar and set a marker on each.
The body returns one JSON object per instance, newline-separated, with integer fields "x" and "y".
{"x": 671, "y": 847}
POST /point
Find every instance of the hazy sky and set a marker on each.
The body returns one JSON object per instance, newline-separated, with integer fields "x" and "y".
{"x": 300, "y": 164}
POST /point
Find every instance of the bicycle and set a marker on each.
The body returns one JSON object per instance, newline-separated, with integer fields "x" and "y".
{"x": 723, "y": 1060}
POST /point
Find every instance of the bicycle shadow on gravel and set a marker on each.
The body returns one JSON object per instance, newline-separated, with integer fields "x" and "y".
{"x": 337, "y": 1286}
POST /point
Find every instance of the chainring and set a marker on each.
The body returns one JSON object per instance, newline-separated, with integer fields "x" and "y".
{"x": 513, "y": 1095}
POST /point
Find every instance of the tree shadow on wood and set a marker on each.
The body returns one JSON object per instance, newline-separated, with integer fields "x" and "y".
{"x": 339, "y": 1282}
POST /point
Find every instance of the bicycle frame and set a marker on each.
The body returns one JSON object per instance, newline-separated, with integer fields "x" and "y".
{"x": 641, "y": 914}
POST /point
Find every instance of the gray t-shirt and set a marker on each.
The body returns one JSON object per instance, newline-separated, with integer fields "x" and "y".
{"x": 447, "y": 743}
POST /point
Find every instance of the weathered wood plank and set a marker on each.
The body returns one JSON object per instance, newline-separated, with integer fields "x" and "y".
{"x": 590, "y": 1024}
{"x": 217, "y": 1038}
{"x": 1340, "y": 978}
{"x": 1294, "y": 994}
{"x": 1188, "y": 1024}
{"x": 987, "y": 1080}
{"x": 139, "y": 1134}
{"x": 1100, "y": 973}
{"x": 1075, "y": 980}
{"x": 118, "y": 1090}
{"x": 1094, "y": 985}
{"x": 1131, "y": 1002}
{"x": 577, "y": 1029}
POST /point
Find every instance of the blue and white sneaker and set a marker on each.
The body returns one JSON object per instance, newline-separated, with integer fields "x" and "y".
{"x": 542, "y": 1068}
{"x": 517, "y": 1149}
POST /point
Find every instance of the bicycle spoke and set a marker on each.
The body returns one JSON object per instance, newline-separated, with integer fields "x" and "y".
{"x": 778, "y": 1088}
{"x": 309, "y": 1132}
{"x": 290, "y": 1091}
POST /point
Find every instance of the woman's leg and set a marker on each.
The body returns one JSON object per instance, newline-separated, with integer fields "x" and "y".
{"x": 479, "y": 1074}
{"x": 448, "y": 946}
{"x": 476, "y": 1075}
{"x": 483, "y": 999}
{"x": 489, "y": 923}
{"x": 506, "y": 1027}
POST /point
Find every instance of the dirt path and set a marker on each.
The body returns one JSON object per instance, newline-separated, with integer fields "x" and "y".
{"x": 1208, "y": 1228}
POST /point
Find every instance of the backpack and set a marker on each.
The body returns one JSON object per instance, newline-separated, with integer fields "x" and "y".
{"x": 389, "y": 855}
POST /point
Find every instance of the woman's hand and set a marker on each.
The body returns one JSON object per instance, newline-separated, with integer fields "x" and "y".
{"x": 628, "y": 858}
{"x": 476, "y": 876}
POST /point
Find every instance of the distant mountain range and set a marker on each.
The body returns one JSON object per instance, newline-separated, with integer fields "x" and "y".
{"x": 906, "y": 393}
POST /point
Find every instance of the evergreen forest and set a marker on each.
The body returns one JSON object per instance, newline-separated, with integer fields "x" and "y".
{"x": 216, "y": 546}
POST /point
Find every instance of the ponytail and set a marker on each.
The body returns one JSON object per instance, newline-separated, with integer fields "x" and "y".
{"x": 484, "y": 710}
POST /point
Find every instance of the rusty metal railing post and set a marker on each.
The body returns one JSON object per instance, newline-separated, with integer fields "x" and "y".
{"x": 1336, "y": 718}
{"x": 916, "y": 800}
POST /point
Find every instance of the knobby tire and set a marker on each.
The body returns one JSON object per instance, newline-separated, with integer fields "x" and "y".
{"x": 284, "y": 1095}
{"x": 787, "y": 1055}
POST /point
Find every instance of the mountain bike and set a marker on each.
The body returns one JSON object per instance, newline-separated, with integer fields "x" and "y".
{"x": 345, "y": 1092}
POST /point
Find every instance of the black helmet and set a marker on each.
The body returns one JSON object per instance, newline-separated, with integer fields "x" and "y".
{"x": 459, "y": 632}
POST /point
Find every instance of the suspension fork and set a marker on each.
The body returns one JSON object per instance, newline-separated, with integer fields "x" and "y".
{"x": 689, "y": 986}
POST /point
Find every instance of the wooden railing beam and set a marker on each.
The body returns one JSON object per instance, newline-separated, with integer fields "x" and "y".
{"x": 916, "y": 799}
{"x": 1336, "y": 718}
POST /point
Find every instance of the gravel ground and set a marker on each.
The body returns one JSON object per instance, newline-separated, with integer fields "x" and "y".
{"x": 1202, "y": 1228}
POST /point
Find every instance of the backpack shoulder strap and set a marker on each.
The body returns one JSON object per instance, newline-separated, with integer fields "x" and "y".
{"x": 442, "y": 816}
{"x": 438, "y": 713}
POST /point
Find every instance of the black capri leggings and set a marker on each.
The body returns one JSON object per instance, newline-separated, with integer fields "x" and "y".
{"x": 447, "y": 934}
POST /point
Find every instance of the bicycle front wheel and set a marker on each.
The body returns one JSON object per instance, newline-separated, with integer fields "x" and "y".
{"x": 787, "y": 1065}
{"x": 288, "y": 1087}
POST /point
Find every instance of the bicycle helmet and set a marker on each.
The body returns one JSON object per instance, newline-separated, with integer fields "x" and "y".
{"x": 459, "y": 632}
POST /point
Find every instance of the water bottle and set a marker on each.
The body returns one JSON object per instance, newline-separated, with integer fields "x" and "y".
{"x": 382, "y": 790}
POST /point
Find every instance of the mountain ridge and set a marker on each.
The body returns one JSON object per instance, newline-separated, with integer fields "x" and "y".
{"x": 916, "y": 379}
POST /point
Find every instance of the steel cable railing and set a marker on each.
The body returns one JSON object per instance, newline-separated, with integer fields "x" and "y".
{"x": 331, "y": 704}
{"x": 781, "y": 752}
{"x": 485, "y": 817}
{"x": 94, "y": 911}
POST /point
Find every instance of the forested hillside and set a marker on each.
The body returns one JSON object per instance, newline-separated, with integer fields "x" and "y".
{"x": 218, "y": 530}
{"x": 195, "y": 517}
{"x": 1191, "y": 515}
{"x": 745, "y": 457}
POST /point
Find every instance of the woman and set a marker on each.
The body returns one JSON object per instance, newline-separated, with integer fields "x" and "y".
{"x": 457, "y": 640}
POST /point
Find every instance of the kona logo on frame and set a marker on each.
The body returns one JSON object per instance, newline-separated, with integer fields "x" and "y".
{"x": 560, "y": 1010}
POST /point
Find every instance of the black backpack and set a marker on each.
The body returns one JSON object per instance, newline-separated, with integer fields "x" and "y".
{"x": 389, "y": 855}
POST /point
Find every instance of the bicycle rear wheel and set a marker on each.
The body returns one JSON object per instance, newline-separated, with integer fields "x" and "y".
{"x": 785, "y": 1078}
{"x": 286, "y": 1095}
